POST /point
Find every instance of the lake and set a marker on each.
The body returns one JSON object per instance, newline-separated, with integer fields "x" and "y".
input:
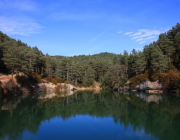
{"x": 90, "y": 115}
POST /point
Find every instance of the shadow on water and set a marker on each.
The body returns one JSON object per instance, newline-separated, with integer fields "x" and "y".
{"x": 157, "y": 115}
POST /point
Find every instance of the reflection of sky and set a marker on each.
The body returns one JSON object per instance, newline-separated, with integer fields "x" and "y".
{"x": 86, "y": 127}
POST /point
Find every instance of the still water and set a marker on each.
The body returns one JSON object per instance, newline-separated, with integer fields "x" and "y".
{"x": 89, "y": 115}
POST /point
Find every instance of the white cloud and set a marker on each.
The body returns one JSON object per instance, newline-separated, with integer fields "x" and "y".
{"x": 128, "y": 33}
{"x": 142, "y": 42}
{"x": 25, "y": 5}
{"x": 18, "y": 25}
{"x": 119, "y": 32}
{"x": 140, "y": 39}
{"x": 151, "y": 37}
{"x": 138, "y": 33}
{"x": 144, "y": 35}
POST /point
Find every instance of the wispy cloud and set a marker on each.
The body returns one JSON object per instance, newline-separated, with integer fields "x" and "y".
{"x": 93, "y": 39}
{"x": 128, "y": 33}
{"x": 138, "y": 33}
{"x": 18, "y": 26}
{"x": 144, "y": 35}
{"x": 151, "y": 37}
{"x": 25, "y": 5}
{"x": 119, "y": 32}
{"x": 140, "y": 39}
{"x": 142, "y": 42}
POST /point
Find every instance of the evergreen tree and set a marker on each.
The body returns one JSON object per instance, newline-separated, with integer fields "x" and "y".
{"x": 90, "y": 75}
{"x": 158, "y": 60}
{"x": 11, "y": 56}
{"x": 166, "y": 46}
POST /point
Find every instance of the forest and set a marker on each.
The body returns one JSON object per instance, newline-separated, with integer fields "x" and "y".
{"x": 157, "y": 61}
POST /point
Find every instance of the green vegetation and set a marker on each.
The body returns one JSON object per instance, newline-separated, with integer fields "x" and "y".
{"x": 111, "y": 70}
{"x": 158, "y": 119}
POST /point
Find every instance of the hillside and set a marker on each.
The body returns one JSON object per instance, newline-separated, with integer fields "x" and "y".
{"x": 109, "y": 69}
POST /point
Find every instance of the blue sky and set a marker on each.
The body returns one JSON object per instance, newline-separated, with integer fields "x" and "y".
{"x": 76, "y": 27}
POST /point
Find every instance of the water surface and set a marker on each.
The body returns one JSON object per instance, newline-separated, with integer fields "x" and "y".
{"x": 91, "y": 115}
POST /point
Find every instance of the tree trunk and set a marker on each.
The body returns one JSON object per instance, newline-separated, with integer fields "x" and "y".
{"x": 63, "y": 73}
{"x": 76, "y": 80}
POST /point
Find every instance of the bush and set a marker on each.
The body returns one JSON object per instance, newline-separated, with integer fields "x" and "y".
{"x": 31, "y": 76}
{"x": 58, "y": 79}
{"x": 34, "y": 75}
{"x": 10, "y": 88}
{"x": 134, "y": 81}
{"x": 54, "y": 81}
{"x": 154, "y": 76}
{"x": 48, "y": 78}
{"x": 170, "y": 79}
{"x": 38, "y": 78}
{"x": 66, "y": 82}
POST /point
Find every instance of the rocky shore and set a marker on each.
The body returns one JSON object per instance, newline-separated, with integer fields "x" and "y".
{"x": 148, "y": 86}
{"x": 10, "y": 87}
{"x": 50, "y": 87}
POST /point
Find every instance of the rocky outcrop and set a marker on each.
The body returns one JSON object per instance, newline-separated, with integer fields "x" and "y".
{"x": 97, "y": 88}
{"x": 50, "y": 87}
{"x": 143, "y": 86}
{"x": 150, "y": 85}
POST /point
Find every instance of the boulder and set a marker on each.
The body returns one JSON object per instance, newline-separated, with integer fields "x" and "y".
{"x": 150, "y": 85}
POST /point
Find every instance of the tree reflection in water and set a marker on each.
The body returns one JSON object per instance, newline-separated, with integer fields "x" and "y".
{"x": 157, "y": 115}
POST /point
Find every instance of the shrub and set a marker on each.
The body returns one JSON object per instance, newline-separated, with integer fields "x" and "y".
{"x": 10, "y": 88}
{"x": 154, "y": 76}
{"x": 54, "y": 81}
{"x": 170, "y": 79}
{"x": 48, "y": 78}
{"x": 34, "y": 75}
{"x": 134, "y": 81}
{"x": 58, "y": 79}
{"x": 66, "y": 82}
{"x": 38, "y": 78}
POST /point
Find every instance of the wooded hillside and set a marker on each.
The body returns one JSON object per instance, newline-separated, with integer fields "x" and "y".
{"x": 107, "y": 68}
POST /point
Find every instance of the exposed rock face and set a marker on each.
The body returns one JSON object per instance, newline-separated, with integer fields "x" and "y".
{"x": 50, "y": 87}
{"x": 145, "y": 86}
{"x": 68, "y": 86}
{"x": 47, "y": 86}
{"x": 150, "y": 85}
{"x": 97, "y": 88}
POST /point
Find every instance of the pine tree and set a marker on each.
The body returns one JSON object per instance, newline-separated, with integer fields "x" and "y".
{"x": 90, "y": 75}
{"x": 11, "y": 57}
{"x": 166, "y": 46}
{"x": 158, "y": 60}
